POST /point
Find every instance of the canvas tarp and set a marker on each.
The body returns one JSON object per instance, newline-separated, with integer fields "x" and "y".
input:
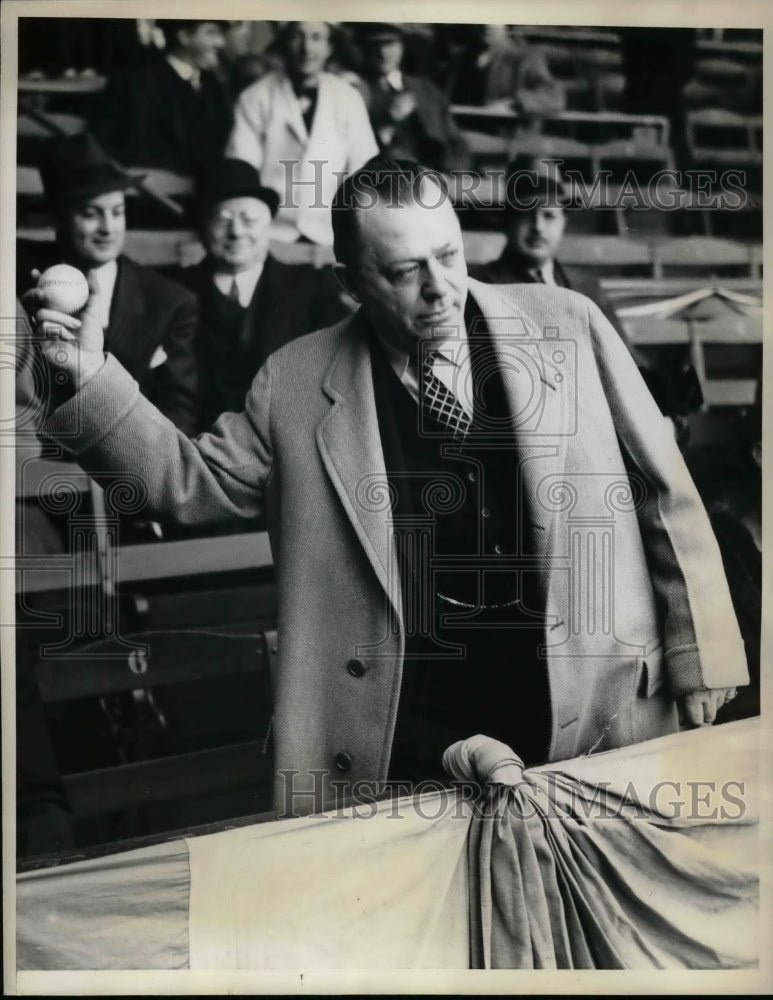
{"x": 645, "y": 857}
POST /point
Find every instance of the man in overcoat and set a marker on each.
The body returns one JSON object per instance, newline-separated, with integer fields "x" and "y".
{"x": 479, "y": 517}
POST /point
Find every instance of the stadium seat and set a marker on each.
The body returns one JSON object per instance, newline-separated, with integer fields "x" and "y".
{"x": 612, "y": 253}
{"x": 148, "y": 676}
{"x": 705, "y": 255}
{"x": 643, "y": 154}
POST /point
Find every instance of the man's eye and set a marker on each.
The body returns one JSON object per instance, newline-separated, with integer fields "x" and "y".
{"x": 402, "y": 275}
{"x": 448, "y": 257}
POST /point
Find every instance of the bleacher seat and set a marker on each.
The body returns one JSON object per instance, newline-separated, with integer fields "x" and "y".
{"x": 705, "y": 255}
{"x": 643, "y": 154}
{"x": 31, "y": 128}
{"x": 718, "y": 136}
{"x": 161, "y": 661}
{"x": 610, "y": 253}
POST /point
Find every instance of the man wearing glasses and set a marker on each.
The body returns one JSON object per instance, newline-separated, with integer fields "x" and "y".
{"x": 250, "y": 302}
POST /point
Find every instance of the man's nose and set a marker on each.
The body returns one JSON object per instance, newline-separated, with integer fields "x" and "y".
{"x": 236, "y": 227}
{"x": 433, "y": 286}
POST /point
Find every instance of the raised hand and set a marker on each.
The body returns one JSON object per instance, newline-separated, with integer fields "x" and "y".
{"x": 71, "y": 344}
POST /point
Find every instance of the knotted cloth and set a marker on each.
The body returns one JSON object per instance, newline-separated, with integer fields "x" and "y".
{"x": 592, "y": 865}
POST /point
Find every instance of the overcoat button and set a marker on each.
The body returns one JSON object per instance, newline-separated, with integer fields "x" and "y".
{"x": 343, "y": 761}
{"x": 356, "y": 668}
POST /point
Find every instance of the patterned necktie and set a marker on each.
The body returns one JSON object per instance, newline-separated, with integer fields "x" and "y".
{"x": 233, "y": 292}
{"x": 439, "y": 403}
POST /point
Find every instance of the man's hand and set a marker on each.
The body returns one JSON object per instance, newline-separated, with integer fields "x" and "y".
{"x": 73, "y": 345}
{"x": 699, "y": 708}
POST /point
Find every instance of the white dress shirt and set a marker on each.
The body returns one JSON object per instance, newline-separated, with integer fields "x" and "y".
{"x": 245, "y": 283}
{"x": 106, "y": 277}
{"x": 453, "y": 367}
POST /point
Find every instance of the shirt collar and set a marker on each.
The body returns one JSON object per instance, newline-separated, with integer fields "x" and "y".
{"x": 183, "y": 69}
{"x": 246, "y": 282}
{"x": 395, "y": 79}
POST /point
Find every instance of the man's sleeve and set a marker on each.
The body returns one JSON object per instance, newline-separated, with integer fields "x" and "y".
{"x": 246, "y": 141}
{"x": 702, "y": 642}
{"x": 109, "y": 427}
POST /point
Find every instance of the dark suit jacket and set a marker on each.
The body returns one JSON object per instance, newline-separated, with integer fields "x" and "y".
{"x": 510, "y": 270}
{"x": 289, "y": 300}
{"x": 150, "y": 117}
{"x": 672, "y": 382}
{"x": 428, "y": 135}
{"x": 148, "y": 312}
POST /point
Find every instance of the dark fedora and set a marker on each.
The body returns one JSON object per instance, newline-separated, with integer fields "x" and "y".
{"x": 232, "y": 178}
{"x": 531, "y": 178}
{"x": 75, "y": 167}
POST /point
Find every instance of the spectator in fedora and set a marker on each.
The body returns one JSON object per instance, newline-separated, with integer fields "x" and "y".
{"x": 534, "y": 223}
{"x": 409, "y": 114}
{"x": 150, "y": 322}
{"x": 304, "y": 129}
{"x": 172, "y": 111}
{"x": 250, "y": 302}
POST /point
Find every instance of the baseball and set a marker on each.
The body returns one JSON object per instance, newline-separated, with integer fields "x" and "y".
{"x": 65, "y": 287}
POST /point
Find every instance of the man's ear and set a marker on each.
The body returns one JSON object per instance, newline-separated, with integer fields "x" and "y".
{"x": 346, "y": 280}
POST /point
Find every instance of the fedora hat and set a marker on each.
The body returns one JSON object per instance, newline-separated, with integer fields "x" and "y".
{"x": 533, "y": 177}
{"x": 232, "y": 178}
{"x": 76, "y": 167}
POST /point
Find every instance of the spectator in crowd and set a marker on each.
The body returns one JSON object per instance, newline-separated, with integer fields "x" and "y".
{"x": 172, "y": 111}
{"x": 302, "y": 128}
{"x": 150, "y": 322}
{"x": 534, "y": 222}
{"x": 409, "y": 114}
{"x": 250, "y": 303}
{"x": 495, "y": 68}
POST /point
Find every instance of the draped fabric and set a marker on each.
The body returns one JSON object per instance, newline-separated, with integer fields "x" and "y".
{"x": 126, "y": 911}
{"x": 645, "y": 857}
{"x": 639, "y": 858}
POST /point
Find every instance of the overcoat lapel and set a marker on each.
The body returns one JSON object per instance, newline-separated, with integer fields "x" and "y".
{"x": 349, "y": 442}
{"x": 536, "y": 392}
